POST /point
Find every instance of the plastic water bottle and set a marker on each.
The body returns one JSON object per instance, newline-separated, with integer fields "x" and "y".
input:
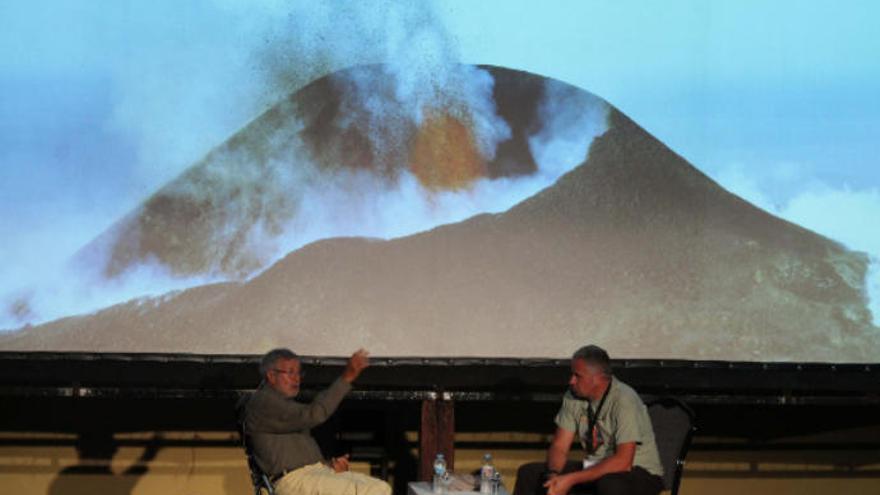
{"x": 439, "y": 473}
{"x": 487, "y": 475}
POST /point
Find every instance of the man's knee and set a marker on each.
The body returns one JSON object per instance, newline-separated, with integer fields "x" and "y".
{"x": 613, "y": 484}
{"x": 531, "y": 469}
{"x": 381, "y": 487}
{"x": 363, "y": 484}
{"x": 377, "y": 487}
{"x": 529, "y": 478}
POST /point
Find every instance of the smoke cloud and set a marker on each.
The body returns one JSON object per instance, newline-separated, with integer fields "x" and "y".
{"x": 845, "y": 214}
{"x": 100, "y": 104}
{"x": 572, "y": 119}
{"x": 178, "y": 93}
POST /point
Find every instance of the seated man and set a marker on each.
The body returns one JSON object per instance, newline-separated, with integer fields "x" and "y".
{"x": 615, "y": 431}
{"x": 279, "y": 430}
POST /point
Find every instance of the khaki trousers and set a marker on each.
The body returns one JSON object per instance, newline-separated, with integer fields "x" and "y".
{"x": 319, "y": 479}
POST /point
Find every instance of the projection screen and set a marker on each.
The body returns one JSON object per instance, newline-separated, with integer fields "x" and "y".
{"x": 678, "y": 179}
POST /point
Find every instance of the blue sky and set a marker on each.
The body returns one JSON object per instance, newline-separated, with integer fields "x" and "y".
{"x": 720, "y": 82}
{"x": 103, "y": 101}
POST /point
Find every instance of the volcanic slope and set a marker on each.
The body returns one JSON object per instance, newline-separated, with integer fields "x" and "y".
{"x": 634, "y": 249}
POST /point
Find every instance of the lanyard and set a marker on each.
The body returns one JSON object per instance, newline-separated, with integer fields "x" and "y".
{"x": 593, "y": 418}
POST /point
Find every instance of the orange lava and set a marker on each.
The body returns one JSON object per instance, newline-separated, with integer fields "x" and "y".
{"x": 443, "y": 154}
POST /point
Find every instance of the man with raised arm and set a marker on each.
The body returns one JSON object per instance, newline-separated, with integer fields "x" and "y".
{"x": 279, "y": 430}
{"x": 614, "y": 428}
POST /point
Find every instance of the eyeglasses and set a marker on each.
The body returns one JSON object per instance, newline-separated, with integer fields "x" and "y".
{"x": 298, "y": 373}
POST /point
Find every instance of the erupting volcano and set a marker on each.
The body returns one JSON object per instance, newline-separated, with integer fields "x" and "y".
{"x": 220, "y": 215}
{"x": 632, "y": 246}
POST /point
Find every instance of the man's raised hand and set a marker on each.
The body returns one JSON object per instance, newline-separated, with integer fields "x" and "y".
{"x": 356, "y": 363}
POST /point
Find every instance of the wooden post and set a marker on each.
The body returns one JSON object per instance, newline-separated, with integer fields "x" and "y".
{"x": 437, "y": 434}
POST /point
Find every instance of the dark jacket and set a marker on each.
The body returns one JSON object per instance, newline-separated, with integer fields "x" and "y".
{"x": 279, "y": 428}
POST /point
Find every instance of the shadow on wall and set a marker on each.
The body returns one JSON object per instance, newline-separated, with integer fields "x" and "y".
{"x": 92, "y": 475}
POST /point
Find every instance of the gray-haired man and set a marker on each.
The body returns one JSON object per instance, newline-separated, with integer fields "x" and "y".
{"x": 615, "y": 431}
{"x": 279, "y": 429}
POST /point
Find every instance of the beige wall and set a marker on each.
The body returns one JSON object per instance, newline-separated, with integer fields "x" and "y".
{"x": 174, "y": 470}
{"x": 37, "y": 470}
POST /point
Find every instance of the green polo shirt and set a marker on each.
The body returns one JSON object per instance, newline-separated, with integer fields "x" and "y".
{"x": 623, "y": 419}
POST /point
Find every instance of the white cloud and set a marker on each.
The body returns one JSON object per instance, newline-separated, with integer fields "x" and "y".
{"x": 846, "y": 214}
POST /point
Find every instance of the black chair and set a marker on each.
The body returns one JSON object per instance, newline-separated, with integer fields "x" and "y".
{"x": 259, "y": 479}
{"x": 673, "y": 423}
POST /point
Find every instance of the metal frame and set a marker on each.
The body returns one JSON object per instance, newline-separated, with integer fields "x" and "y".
{"x": 45, "y": 374}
